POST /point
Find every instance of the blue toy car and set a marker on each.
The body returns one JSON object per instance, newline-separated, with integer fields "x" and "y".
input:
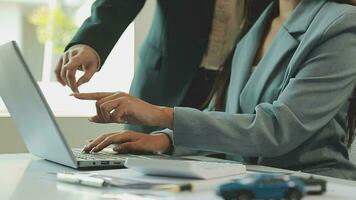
{"x": 263, "y": 186}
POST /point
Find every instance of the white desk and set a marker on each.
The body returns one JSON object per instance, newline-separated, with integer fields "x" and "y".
{"x": 23, "y": 176}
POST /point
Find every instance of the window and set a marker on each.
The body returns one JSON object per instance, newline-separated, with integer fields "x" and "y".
{"x": 31, "y": 22}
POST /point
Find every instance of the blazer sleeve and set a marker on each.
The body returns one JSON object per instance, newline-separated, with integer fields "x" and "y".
{"x": 179, "y": 150}
{"x": 108, "y": 20}
{"x": 323, "y": 84}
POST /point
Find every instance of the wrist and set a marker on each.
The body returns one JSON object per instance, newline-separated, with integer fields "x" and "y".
{"x": 165, "y": 145}
{"x": 166, "y": 117}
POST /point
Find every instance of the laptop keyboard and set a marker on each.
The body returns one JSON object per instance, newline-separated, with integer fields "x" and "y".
{"x": 97, "y": 156}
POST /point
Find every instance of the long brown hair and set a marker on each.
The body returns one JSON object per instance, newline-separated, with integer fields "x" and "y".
{"x": 253, "y": 9}
{"x": 219, "y": 89}
{"x": 351, "y": 114}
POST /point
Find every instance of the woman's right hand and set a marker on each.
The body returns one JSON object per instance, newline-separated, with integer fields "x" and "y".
{"x": 121, "y": 107}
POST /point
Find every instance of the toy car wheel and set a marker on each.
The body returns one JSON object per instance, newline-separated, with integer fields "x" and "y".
{"x": 293, "y": 194}
{"x": 244, "y": 195}
{"x": 228, "y": 196}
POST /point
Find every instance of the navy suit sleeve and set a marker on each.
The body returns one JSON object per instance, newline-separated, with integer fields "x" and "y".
{"x": 108, "y": 20}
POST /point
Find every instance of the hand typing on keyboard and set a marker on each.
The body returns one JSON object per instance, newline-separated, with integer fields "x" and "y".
{"x": 129, "y": 141}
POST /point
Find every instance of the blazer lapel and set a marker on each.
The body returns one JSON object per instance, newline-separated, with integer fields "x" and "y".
{"x": 282, "y": 48}
{"x": 244, "y": 56}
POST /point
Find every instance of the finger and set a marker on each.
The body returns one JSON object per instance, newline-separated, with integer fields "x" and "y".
{"x": 69, "y": 70}
{"x": 108, "y": 106}
{"x": 100, "y": 97}
{"x": 96, "y": 119}
{"x": 58, "y": 71}
{"x": 103, "y": 114}
{"x": 88, "y": 147}
{"x": 64, "y": 68}
{"x": 92, "y": 96}
{"x": 74, "y": 52}
{"x": 120, "y": 114}
{"x": 72, "y": 83}
{"x": 96, "y": 141}
{"x": 113, "y": 139}
{"x": 87, "y": 141}
{"x": 86, "y": 76}
{"x": 99, "y": 114}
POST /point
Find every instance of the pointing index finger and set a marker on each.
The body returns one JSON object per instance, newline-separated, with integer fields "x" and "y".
{"x": 91, "y": 96}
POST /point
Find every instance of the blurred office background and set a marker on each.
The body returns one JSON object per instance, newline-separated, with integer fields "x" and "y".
{"x": 23, "y": 21}
{"x": 42, "y": 28}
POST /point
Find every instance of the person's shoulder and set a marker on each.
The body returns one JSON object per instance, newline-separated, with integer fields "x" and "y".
{"x": 336, "y": 17}
{"x": 333, "y": 11}
{"x": 339, "y": 8}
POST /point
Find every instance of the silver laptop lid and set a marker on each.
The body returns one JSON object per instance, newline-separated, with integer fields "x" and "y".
{"x": 29, "y": 109}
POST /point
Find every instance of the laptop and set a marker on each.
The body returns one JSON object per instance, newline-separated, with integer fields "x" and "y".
{"x": 35, "y": 120}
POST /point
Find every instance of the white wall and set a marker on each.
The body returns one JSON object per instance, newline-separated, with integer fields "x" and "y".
{"x": 9, "y": 14}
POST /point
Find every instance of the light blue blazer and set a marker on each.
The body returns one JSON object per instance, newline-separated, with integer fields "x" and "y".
{"x": 291, "y": 112}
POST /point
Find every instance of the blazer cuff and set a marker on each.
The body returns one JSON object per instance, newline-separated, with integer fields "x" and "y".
{"x": 179, "y": 150}
{"x": 182, "y": 122}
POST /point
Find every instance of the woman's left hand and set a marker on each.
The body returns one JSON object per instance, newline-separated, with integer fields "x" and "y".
{"x": 130, "y": 141}
{"x": 120, "y": 107}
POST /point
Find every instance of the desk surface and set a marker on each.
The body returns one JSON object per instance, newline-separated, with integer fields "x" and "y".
{"x": 23, "y": 176}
